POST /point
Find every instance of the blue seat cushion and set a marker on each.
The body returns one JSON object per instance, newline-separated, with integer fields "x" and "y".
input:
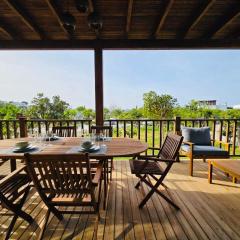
{"x": 199, "y": 136}
{"x": 199, "y": 150}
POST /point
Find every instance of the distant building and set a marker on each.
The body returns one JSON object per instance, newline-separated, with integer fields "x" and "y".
{"x": 236, "y": 106}
{"x": 207, "y": 103}
{"x": 211, "y": 104}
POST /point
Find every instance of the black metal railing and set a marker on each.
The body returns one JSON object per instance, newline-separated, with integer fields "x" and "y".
{"x": 151, "y": 131}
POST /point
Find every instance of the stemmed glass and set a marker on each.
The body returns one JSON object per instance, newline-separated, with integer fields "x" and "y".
{"x": 103, "y": 139}
{"x": 49, "y": 135}
{"x": 33, "y": 134}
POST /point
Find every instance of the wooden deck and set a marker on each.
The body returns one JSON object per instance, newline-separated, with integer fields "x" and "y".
{"x": 207, "y": 211}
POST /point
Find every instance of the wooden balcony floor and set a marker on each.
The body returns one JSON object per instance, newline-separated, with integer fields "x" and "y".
{"x": 207, "y": 211}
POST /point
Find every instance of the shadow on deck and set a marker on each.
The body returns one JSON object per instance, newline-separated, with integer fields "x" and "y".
{"x": 207, "y": 211}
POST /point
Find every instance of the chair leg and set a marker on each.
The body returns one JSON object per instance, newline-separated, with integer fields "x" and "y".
{"x": 139, "y": 182}
{"x": 107, "y": 169}
{"x": 112, "y": 168}
{"x": 191, "y": 166}
{"x": 44, "y": 225}
{"x": 56, "y": 213}
{"x": 19, "y": 213}
{"x": 10, "y": 228}
{"x": 155, "y": 189}
{"x": 99, "y": 194}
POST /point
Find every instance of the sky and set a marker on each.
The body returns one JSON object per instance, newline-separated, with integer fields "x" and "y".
{"x": 184, "y": 74}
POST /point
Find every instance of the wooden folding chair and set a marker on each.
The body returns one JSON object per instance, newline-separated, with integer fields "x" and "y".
{"x": 65, "y": 180}
{"x": 107, "y": 131}
{"x": 145, "y": 167}
{"x": 14, "y": 189}
{"x": 65, "y": 131}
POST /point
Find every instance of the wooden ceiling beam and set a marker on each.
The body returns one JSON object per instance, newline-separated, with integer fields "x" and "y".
{"x": 7, "y": 30}
{"x": 58, "y": 15}
{"x": 119, "y": 44}
{"x": 234, "y": 34}
{"x": 223, "y": 22}
{"x": 196, "y": 17}
{"x": 25, "y": 17}
{"x": 91, "y": 7}
{"x": 163, "y": 17}
{"x": 129, "y": 16}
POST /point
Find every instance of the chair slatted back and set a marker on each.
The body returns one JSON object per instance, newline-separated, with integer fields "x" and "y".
{"x": 60, "y": 174}
{"x": 105, "y": 130}
{"x": 65, "y": 131}
{"x": 171, "y": 147}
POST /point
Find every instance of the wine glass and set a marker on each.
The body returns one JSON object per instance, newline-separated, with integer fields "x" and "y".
{"x": 33, "y": 134}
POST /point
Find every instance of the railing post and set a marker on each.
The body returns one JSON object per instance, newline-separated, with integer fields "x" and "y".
{"x": 178, "y": 131}
{"x": 23, "y": 126}
{"x": 178, "y": 125}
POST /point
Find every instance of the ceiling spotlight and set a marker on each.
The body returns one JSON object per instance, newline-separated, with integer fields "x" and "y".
{"x": 94, "y": 21}
{"x": 69, "y": 21}
{"x": 82, "y": 5}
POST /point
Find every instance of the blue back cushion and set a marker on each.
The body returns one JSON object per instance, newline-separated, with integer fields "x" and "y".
{"x": 199, "y": 136}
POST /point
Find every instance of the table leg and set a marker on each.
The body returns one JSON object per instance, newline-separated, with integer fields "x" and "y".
{"x": 234, "y": 179}
{"x": 105, "y": 183}
{"x": 13, "y": 164}
{"x": 210, "y": 169}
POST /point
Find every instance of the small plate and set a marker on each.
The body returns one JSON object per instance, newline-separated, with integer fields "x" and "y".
{"x": 52, "y": 138}
{"x": 26, "y": 149}
{"x": 92, "y": 149}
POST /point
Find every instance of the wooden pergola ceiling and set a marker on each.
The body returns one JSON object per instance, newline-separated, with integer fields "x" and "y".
{"x": 38, "y": 24}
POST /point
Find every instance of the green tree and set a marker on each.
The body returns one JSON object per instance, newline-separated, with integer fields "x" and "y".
{"x": 10, "y": 111}
{"x": 116, "y": 113}
{"x": 41, "y": 107}
{"x": 58, "y": 107}
{"x": 134, "y": 113}
{"x": 107, "y": 113}
{"x": 158, "y": 106}
{"x": 70, "y": 114}
{"x": 86, "y": 113}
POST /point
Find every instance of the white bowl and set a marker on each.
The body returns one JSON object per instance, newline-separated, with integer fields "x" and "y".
{"x": 87, "y": 144}
{"x": 22, "y": 144}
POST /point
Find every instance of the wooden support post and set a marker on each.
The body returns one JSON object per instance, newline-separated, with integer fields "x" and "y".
{"x": 98, "y": 57}
{"x": 178, "y": 125}
{"x": 178, "y": 131}
{"x": 23, "y": 126}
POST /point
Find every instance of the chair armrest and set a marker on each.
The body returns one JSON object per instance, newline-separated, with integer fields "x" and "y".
{"x": 11, "y": 175}
{"x": 154, "y": 148}
{"x": 226, "y": 144}
{"x": 97, "y": 175}
{"x": 189, "y": 143}
{"x": 147, "y": 158}
{"x": 155, "y": 159}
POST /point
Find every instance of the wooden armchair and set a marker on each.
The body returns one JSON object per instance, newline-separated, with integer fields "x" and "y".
{"x": 14, "y": 189}
{"x": 65, "y": 131}
{"x": 65, "y": 180}
{"x": 197, "y": 144}
{"x": 145, "y": 167}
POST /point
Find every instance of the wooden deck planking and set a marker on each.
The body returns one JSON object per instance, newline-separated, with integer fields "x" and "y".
{"x": 208, "y": 211}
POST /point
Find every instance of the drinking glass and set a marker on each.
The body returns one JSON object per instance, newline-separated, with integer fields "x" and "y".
{"x": 33, "y": 134}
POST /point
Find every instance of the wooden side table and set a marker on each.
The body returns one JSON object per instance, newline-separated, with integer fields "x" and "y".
{"x": 230, "y": 166}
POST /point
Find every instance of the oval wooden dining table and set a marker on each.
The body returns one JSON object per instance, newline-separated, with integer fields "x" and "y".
{"x": 115, "y": 147}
